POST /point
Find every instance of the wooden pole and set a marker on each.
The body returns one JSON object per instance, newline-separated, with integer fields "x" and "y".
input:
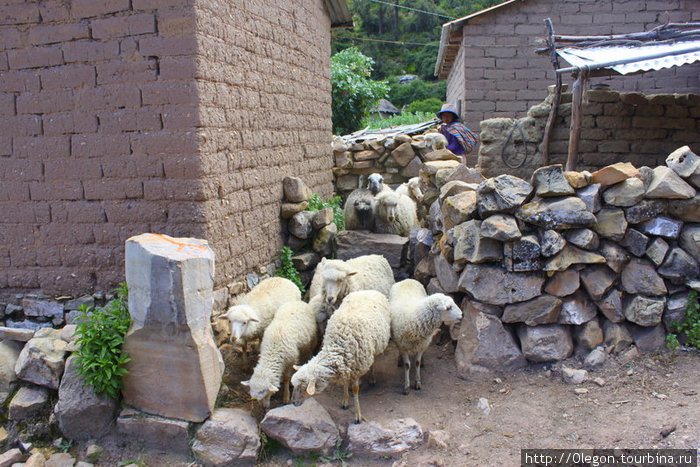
{"x": 557, "y": 95}
{"x": 575, "y": 129}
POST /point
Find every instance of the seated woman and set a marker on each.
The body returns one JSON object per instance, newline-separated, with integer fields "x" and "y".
{"x": 460, "y": 139}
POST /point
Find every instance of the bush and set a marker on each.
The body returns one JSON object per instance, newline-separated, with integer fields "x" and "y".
{"x": 287, "y": 269}
{"x": 690, "y": 326}
{"x": 406, "y": 118}
{"x": 353, "y": 92}
{"x": 430, "y": 105}
{"x": 100, "y": 358}
{"x": 335, "y": 203}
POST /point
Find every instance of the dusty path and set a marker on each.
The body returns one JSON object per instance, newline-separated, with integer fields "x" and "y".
{"x": 532, "y": 408}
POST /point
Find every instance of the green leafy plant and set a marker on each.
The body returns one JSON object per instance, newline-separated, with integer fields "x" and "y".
{"x": 690, "y": 326}
{"x": 268, "y": 447}
{"x": 316, "y": 203}
{"x": 353, "y": 92}
{"x": 287, "y": 269}
{"x": 65, "y": 445}
{"x": 338, "y": 454}
{"x": 100, "y": 358}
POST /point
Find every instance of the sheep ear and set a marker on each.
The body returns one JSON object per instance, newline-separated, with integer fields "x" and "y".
{"x": 254, "y": 320}
{"x": 352, "y": 273}
{"x": 246, "y": 383}
{"x": 323, "y": 260}
{"x": 311, "y": 388}
{"x": 296, "y": 367}
{"x": 272, "y": 389}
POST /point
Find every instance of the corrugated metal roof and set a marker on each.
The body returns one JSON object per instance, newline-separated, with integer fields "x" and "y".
{"x": 631, "y": 59}
{"x": 366, "y": 134}
{"x": 339, "y": 13}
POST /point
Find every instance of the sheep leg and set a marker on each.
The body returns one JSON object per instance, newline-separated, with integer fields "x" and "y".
{"x": 419, "y": 358}
{"x": 406, "y": 372}
{"x": 372, "y": 376}
{"x": 346, "y": 396}
{"x": 356, "y": 397}
{"x": 286, "y": 379}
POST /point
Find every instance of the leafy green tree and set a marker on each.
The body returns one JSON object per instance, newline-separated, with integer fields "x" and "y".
{"x": 429, "y": 105}
{"x": 353, "y": 92}
{"x": 417, "y": 90}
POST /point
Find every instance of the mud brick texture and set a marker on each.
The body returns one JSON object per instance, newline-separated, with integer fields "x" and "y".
{"x": 179, "y": 117}
{"x": 497, "y": 52}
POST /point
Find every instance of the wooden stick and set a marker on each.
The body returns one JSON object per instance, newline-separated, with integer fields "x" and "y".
{"x": 575, "y": 129}
{"x": 557, "y": 95}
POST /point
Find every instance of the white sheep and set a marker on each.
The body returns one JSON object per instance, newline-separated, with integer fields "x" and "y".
{"x": 435, "y": 140}
{"x": 359, "y": 210}
{"x": 290, "y": 339}
{"x": 375, "y": 183}
{"x": 334, "y": 279}
{"x": 395, "y": 214}
{"x": 252, "y": 313}
{"x": 411, "y": 188}
{"x": 367, "y": 272}
{"x": 415, "y": 318}
{"x": 357, "y": 332}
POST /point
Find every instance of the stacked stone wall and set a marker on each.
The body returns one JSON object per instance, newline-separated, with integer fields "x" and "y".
{"x": 504, "y": 77}
{"x": 616, "y": 127}
{"x": 563, "y": 261}
{"x": 178, "y": 117}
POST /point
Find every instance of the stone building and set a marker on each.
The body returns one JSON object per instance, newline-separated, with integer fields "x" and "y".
{"x": 489, "y": 60}
{"x": 180, "y": 117}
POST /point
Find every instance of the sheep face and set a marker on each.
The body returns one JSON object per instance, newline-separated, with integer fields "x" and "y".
{"x": 364, "y": 210}
{"x": 335, "y": 280}
{"x": 414, "y": 187}
{"x": 388, "y": 205}
{"x": 375, "y": 182}
{"x": 449, "y": 311}
{"x": 260, "y": 391}
{"x": 306, "y": 384}
{"x": 242, "y": 318}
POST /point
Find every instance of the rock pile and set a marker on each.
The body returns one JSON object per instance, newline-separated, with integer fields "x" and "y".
{"x": 397, "y": 159}
{"x": 311, "y": 231}
{"x": 565, "y": 261}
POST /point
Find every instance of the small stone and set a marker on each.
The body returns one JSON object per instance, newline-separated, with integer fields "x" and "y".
{"x": 573, "y": 375}
{"x": 683, "y": 161}
{"x": 484, "y": 406}
{"x": 599, "y": 381}
{"x": 614, "y": 173}
{"x": 580, "y": 391}
{"x": 295, "y": 190}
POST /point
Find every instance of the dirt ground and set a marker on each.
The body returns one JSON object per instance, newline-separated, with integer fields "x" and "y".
{"x": 648, "y": 402}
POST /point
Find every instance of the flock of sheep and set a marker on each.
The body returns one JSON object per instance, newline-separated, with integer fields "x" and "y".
{"x": 355, "y": 308}
{"x": 380, "y": 209}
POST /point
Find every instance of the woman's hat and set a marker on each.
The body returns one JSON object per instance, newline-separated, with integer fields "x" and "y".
{"x": 448, "y": 108}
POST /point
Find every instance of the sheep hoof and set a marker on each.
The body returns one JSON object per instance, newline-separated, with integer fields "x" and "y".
{"x": 344, "y": 407}
{"x": 416, "y": 387}
{"x": 405, "y": 391}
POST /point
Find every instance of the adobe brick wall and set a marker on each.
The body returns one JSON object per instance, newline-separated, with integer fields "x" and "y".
{"x": 503, "y": 77}
{"x": 119, "y": 117}
{"x": 616, "y": 127}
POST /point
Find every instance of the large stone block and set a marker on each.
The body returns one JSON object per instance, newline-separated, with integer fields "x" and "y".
{"x": 496, "y": 286}
{"x": 175, "y": 369}
{"x": 484, "y": 345}
{"x": 82, "y": 414}
{"x": 353, "y": 243}
{"x": 545, "y": 343}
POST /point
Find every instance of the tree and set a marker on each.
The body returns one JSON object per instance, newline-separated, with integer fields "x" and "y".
{"x": 353, "y": 92}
